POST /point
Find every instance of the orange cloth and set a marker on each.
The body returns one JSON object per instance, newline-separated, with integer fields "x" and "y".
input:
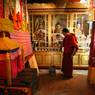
{"x": 19, "y": 20}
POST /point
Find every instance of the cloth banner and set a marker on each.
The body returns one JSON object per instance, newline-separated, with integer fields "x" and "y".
{"x": 1, "y": 9}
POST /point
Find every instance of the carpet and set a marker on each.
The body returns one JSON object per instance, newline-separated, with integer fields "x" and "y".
{"x": 56, "y": 85}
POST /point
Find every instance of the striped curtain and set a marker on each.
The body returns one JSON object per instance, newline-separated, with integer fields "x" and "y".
{"x": 24, "y": 39}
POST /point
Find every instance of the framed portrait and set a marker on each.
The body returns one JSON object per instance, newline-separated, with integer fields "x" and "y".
{"x": 40, "y": 28}
{"x": 59, "y": 21}
{"x": 39, "y": 22}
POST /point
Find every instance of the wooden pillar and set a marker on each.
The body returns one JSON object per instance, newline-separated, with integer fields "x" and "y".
{"x": 91, "y": 71}
{"x": 49, "y": 29}
{"x": 91, "y": 75}
{"x": 71, "y": 21}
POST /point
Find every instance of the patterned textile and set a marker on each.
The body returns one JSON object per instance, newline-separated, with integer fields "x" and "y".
{"x": 24, "y": 39}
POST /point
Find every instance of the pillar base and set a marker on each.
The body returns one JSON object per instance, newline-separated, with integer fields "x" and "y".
{"x": 91, "y": 75}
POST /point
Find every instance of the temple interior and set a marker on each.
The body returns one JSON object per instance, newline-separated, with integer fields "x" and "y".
{"x": 31, "y": 47}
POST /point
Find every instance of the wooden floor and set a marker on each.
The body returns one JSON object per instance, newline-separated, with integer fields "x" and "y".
{"x": 56, "y": 85}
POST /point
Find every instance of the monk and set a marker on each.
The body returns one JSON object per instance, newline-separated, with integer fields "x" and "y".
{"x": 70, "y": 47}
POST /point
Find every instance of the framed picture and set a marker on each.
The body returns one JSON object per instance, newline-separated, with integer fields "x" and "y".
{"x": 59, "y": 21}
{"x": 39, "y": 22}
{"x": 40, "y": 27}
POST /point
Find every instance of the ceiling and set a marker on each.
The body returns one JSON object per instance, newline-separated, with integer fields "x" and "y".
{"x": 40, "y": 1}
{"x": 49, "y": 1}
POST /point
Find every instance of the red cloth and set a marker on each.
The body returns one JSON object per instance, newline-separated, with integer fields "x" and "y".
{"x": 92, "y": 47}
{"x": 1, "y": 9}
{"x": 67, "y": 65}
{"x": 3, "y": 73}
{"x": 17, "y": 65}
{"x": 20, "y": 63}
{"x": 21, "y": 9}
{"x": 19, "y": 20}
{"x": 16, "y": 61}
{"x": 69, "y": 43}
{"x": 13, "y": 61}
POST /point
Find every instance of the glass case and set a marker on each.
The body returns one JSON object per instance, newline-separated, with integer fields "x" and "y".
{"x": 46, "y": 30}
{"x": 38, "y": 24}
{"x": 82, "y": 31}
{"x": 59, "y": 21}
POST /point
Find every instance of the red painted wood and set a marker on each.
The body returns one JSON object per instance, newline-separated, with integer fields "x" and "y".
{"x": 1, "y": 9}
{"x": 92, "y": 47}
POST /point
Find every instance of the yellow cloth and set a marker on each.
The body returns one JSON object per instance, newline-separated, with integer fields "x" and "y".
{"x": 6, "y": 25}
{"x": 8, "y": 44}
{"x": 33, "y": 63}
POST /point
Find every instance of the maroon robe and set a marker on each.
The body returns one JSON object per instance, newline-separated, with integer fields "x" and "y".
{"x": 69, "y": 43}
